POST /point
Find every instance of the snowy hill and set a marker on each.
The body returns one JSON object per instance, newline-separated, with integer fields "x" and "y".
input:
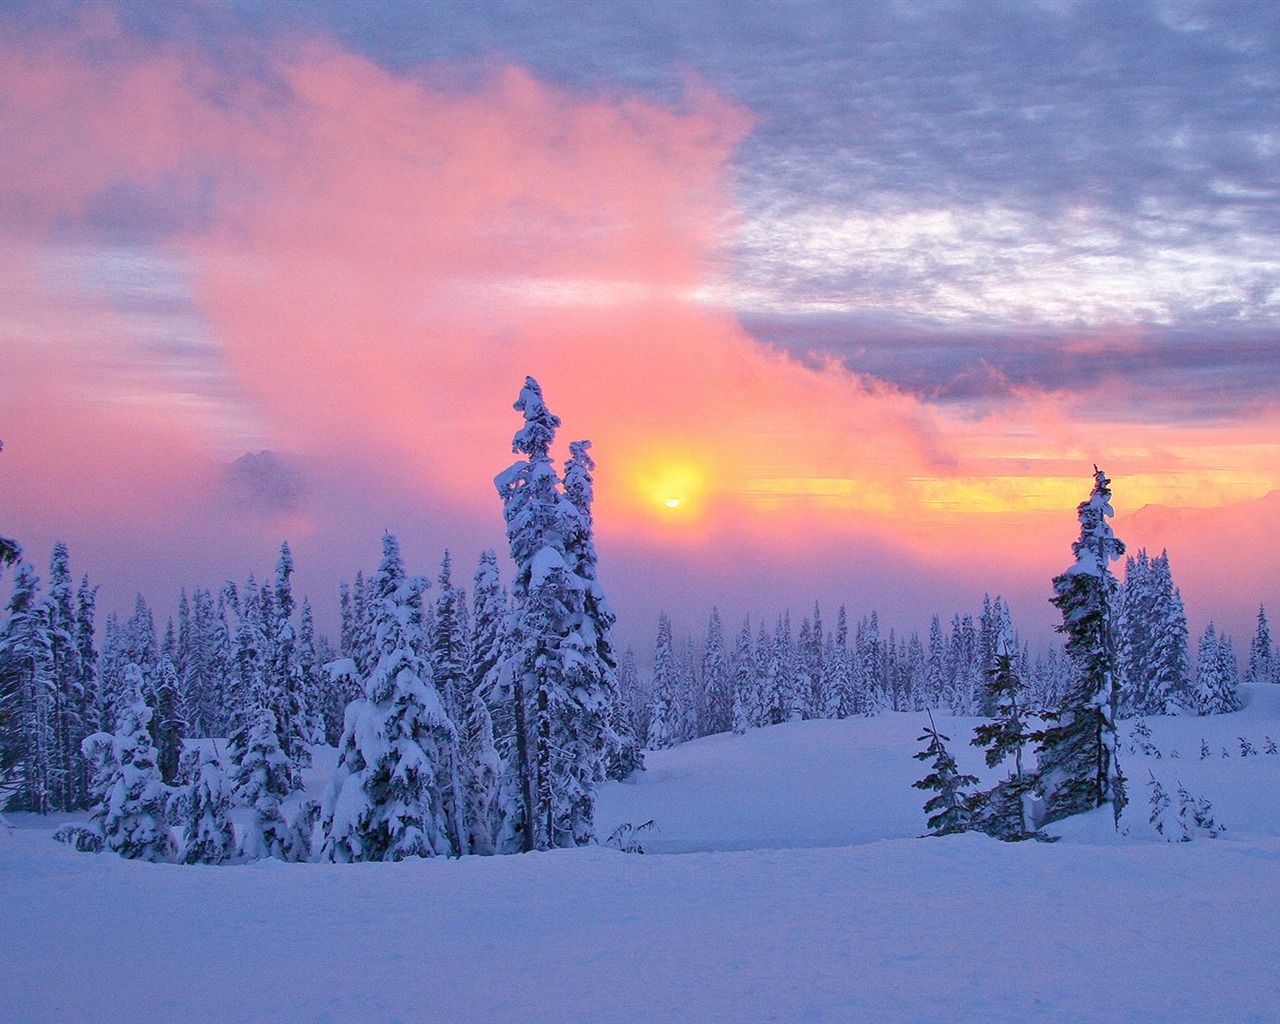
{"x": 785, "y": 885}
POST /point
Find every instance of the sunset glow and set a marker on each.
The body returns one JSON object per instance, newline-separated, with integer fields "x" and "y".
{"x": 352, "y": 257}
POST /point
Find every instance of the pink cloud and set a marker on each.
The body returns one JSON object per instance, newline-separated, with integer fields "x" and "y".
{"x": 381, "y": 259}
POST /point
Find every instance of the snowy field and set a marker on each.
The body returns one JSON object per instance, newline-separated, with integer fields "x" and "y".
{"x": 785, "y": 884}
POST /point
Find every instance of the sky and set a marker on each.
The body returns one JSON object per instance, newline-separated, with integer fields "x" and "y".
{"x": 849, "y": 298}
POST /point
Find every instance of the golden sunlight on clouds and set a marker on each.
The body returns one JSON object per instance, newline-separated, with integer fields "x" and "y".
{"x": 382, "y": 263}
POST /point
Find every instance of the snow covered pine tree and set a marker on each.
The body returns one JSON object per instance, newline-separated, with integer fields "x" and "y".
{"x": 386, "y": 798}
{"x": 556, "y": 671}
{"x": 1077, "y": 750}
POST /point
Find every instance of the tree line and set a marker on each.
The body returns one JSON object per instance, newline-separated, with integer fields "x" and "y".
{"x": 460, "y": 729}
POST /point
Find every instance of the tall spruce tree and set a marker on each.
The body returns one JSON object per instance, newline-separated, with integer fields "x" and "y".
{"x": 618, "y": 748}
{"x": 68, "y": 696}
{"x": 283, "y": 676}
{"x": 449, "y": 662}
{"x": 553, "y": 667}
{"x": 1262, "y": 658}
{"x": 1077, "y": 749}
{"x": 86, "y": 608}
{"x": 29, "y": 738}
{"x": 664, "y": 717}
{"x": 717, "y": 682}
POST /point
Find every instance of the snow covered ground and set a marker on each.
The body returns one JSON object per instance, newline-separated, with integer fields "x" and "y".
{"x": 785, "y": 884}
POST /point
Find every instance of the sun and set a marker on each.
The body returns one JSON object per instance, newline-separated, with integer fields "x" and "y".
{"x": 671, "y": 488}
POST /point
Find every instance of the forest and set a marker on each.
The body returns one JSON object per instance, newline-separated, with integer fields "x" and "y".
{"x": 484, "y": 723}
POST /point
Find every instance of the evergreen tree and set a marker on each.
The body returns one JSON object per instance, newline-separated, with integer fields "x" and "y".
{"x": 27, "y": 698}
{"x": 837, "y": 679}
{"x": 1196, "y": 813}
{"x": 1077, "y": 749}
{"x": 311, "y": 680}
{"x": 385, "y": 800}
{"x": 261, "y": 779}
{"x": 67, "y": 768}
{"x": 663, "y": 705}
{"x": 615, "y": 746}
{"x": 247, "y": 689}
{"x": 949, "y": 810}
{"x": 1159, "y": 804}
{"x": 717, "y": 682}
{"x": 131, "y": 815}
{"x": 167, "y": 726}
{"x": 203, "y": 807}
{"x": 744, "y": 682}
{"x": 1001, "y": 812}
{"x": 1216, "y": 675}
{"x": 87, "y": 655}
{"x": 1151, "y": 638}
{"x": 783, "y": 702}
{"x": 283, "y": 676}
{"x": 1262, "y": 659}
{"x": 554, "y": 667}
{"x": 198, "y": 685}
{"x": 635, "y": 702}
{"x": 483, "y": 769}
{"x": 449, "y": 662}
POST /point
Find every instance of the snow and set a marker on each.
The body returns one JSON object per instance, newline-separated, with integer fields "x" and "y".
{"x": 785, "y": 885}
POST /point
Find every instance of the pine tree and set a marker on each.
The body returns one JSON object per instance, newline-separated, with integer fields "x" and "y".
{"x": 87, "y": 656}
{"x": 449, "y": 661}
{"x": 247, "y": 684}
{"x": 167, "y": 726}
{"x": 554, "y": 666}
{"x": 26, "y": 697}
{"x": 262, "y": 779}
{"x": 385, "y": 800}
{"x": 199, "y": 686}
{"x": 1077, "y": 749}
{"x": 10, "y": 550}
{"x": 1151, "y": 639}
{"x": 1196, "y": 813}
{"x": 744, "y": 685}
{"x": 203, "y": 807}
{"x": 483, "y": 769}
{"x": 283, "y": 676}
{"x": 635, "y": 701}
{"x": 311, "y": 683}
{"x": 1216, "y": 678}
{"x": 1001, "y": 812}
{"x": 663, "y": 705}
{"x": 782, "y": 700}
{"x": 1262, "y": 659}
{"x": 837, "y": 680}
{"x": 67, "y": 768}
{"x": 1159, "y": 803}
{"x": 717, "y": 682}
{"x": 613, "y": 746}
{"x": 949, "y": 810}
{"x": 131, "y": 815}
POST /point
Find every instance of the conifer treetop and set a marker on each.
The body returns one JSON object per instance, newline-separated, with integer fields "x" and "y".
{"x": 540, "y": 424}
{"x": 1098, "y": 546}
